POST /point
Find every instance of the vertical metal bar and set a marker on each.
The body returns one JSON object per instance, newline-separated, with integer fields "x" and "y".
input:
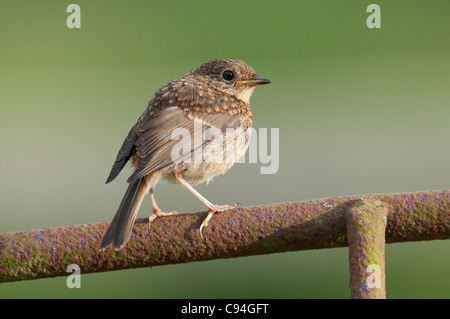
{"x": 366, "y": 227}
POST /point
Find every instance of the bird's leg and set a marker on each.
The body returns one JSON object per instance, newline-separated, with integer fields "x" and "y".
{"x": 156, "y": 210}
{"x": 212, "y": 207}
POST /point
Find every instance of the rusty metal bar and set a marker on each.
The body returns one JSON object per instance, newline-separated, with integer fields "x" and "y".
{"x": 243, "y": 231}
{"x": 366, "y": 225}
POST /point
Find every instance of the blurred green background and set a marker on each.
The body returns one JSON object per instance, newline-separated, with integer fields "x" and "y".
{"x": 359, "y": 111}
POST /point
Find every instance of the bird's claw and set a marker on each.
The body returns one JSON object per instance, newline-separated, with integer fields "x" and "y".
{"x": 151, "y": 218}
{"x": 212, "y": 210}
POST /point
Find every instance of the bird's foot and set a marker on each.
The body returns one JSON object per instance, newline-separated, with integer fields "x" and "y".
{"x": 151, "y": 218}
{"x": 214, "y": 209}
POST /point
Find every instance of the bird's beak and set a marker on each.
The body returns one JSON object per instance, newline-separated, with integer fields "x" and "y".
{"x": 254, "y": 81}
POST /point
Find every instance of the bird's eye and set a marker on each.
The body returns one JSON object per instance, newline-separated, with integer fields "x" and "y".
{"x": 228, "y": 75}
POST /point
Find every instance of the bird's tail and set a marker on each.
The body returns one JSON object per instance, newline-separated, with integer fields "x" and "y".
{"x": 119, "y": 231}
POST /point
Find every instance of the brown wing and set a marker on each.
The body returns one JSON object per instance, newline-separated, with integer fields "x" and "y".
{"x": 125, "y": 153}
{"x": 151, "y": 138}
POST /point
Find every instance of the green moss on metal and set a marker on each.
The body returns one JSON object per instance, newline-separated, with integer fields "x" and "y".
{"x": 270, "y": 244}
{"x": 22, "y": 268}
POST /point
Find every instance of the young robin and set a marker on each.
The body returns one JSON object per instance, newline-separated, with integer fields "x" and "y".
{"x": 212, "y": 99}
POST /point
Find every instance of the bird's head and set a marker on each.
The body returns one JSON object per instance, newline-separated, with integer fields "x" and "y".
{"x": 233, "y": 77}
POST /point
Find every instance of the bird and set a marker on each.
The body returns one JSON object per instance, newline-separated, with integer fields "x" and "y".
{"x": 210, "y": 100}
